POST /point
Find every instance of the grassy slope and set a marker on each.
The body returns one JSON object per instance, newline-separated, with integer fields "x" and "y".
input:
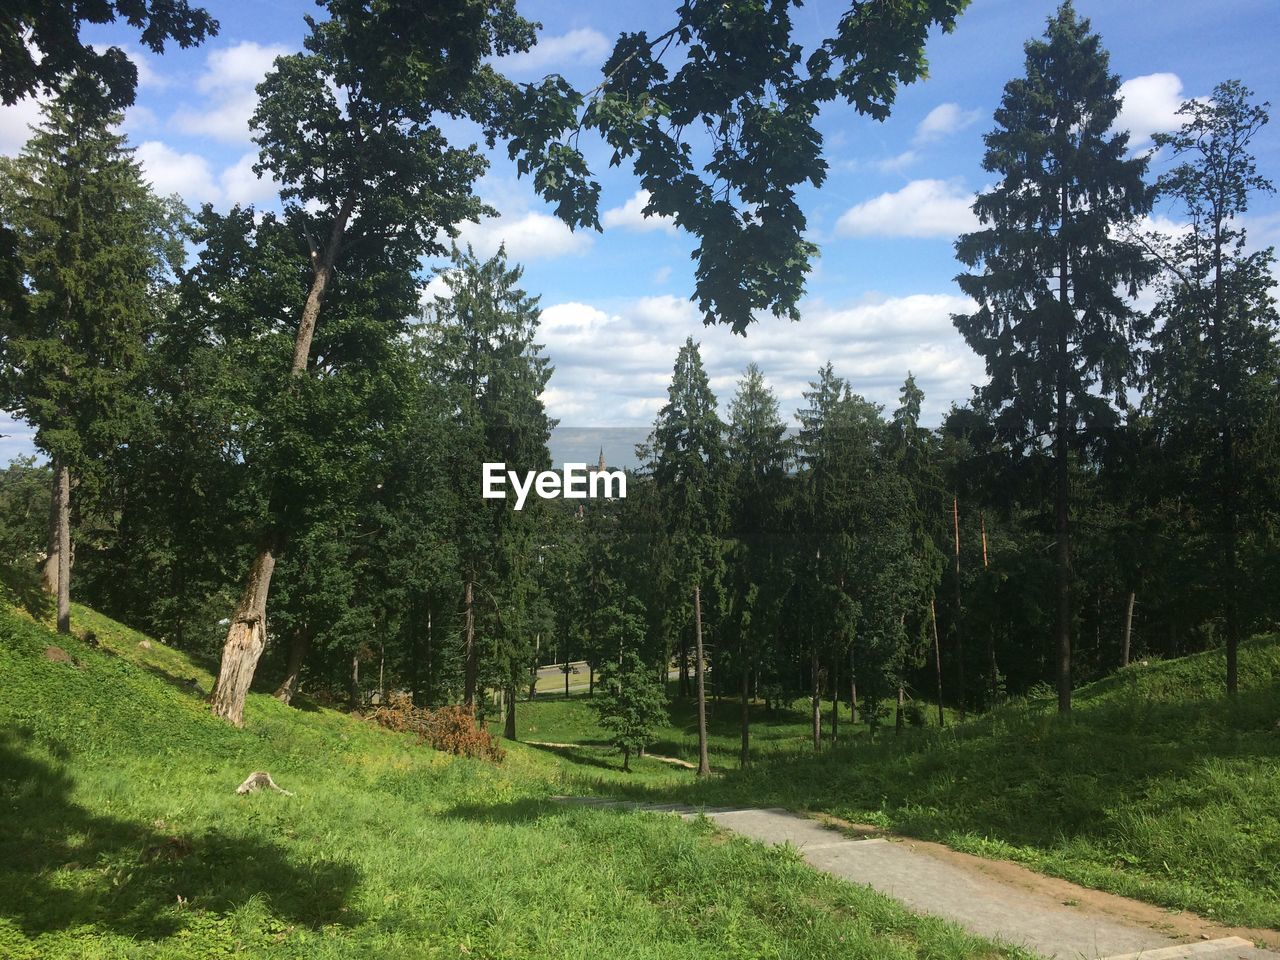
{"x": 1157, "y": 787}
{"x": 120, "y": 836}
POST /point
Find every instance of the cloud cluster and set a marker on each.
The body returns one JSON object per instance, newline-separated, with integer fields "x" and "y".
{"x": 630, "y": 216}
{"x": 1150, "y": 106}
{"x": 581, "y": 46}
{"x": 228, "y": 84}
{"x": 944, "y": 120}
{"x": 192, "y": 177}
{"x": 612, "y": 367}
{"x": 923, "y": 208}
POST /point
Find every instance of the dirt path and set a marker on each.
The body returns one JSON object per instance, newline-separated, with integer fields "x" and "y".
{"x": 995, "y": 899}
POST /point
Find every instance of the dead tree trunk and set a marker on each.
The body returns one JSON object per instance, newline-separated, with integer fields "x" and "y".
{"x": 1128, "y": 630}
{"x": 704, "y": 762}
{"x": 246, "y": 638}
{"x": 299, "y": 645}
{"x": 64, "y": 547}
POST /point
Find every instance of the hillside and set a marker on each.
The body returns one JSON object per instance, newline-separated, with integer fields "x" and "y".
{"x": 1157, "y": 787}
{"x": 121, "y": 836}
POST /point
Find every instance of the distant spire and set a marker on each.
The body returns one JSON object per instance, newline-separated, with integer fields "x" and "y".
{"x": 602, "y": 466}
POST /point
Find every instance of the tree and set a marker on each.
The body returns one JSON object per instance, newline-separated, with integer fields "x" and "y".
{"x": 40, "y": 44}
{"x": 97, "y": 249}
{"x": 351, "y": 128}
{"x": 759, "y": 454}
{"x": 689, "y": 471}
{"x": 631, "y": 702}
{"x": 1053, "y": 323}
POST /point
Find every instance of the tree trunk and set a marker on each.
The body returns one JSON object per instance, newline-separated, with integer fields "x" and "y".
{"x": 353, "y": 683}
{"x": 1228, "y": 496}
{"x": 49, "y": 569}
{"x": 704, "y": 762}
{"x": 299, "y": 644}
{"x": 684, "y": 665}
{"x": 591, "y": 679}
{"x": 626, "y": 760}
{"x": 1128, "y": 629}
{"x": 744, "y": 753}
{"x": 835, "y": 700}
{"x": 1062, "y": 558}
{"x": 246, "y": 638}
{"x": 899, "y": 719}
{"x": 853, "y": 688}
{"x": 64, "y": 548}
{"x": 992, "y": 666}
{"x": 960, "y": 687}
{"x": 937, "y": 657}
{"x": 469, "y": 647}
{"x": 509, "y": 728}
{"x": 247, "y": 634}
{"x": 815, "y": 699}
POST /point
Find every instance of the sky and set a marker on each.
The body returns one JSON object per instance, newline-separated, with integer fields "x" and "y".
{"x": 616, "y": 304}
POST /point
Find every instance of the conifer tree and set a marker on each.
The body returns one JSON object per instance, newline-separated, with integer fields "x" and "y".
{"x": 689, "y": 471}
{"x": 96, "y": 249}
{"x": 1055, "y": 323}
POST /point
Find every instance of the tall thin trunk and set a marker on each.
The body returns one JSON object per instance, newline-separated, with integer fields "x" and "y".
{"x": 960, "y": 686}
{"x": 1229, "y": 494}
{"x": 744, "y": 754}
{"x": 469, "y": 647}
{"x": 684, "y": 665}
{"x": 899, "y": 720}
{"x": 835, "y": 699}
{"x": 1062, "y": 552}
{"x": 591, "y": 678}
{"x": 533, "y": 675}
{"x": 704, "y": 762}
{"x": 246, "y": 638}
{"x": 937, "y": 657}
{"x": 49, "y": 569}
{"x": 299, "y": 645}
{"x": 353, "y": 687}
{"x": 1128, "y": 629}
{"x": 815, "y": 698}
{"x": 853, "y": 687}
{"x": 247, "y": 634}
{"x": 509, "y": 728}
{"x": 64, "y": 548}
{"x": 992, "y": 666}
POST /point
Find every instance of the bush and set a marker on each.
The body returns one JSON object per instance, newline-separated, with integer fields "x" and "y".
{"x": 451, "y": 729}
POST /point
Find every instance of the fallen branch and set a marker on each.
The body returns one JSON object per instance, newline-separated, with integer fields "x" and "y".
{"x": 257, "y": 781}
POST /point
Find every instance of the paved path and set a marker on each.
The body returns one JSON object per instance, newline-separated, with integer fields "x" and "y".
{"x": 984, "y": 904}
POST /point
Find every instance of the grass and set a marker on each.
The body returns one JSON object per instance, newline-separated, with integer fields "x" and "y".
{"x": 1157, "y": 786}
{"x": 121, "y": 837}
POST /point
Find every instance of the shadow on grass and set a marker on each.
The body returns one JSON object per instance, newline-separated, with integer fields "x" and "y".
{"x": 22, "y": 587}
{"x": 521, "y": 811}
{"x": 63, "y": 866}
{"x": 577, "y": 756}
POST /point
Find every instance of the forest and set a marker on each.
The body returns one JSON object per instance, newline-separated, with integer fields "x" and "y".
{"x": 262, "y": 522}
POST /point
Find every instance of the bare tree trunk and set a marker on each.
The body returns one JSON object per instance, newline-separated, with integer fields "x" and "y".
{"x": 815, "y": 699}
{"x": 744, "y": 754}
{"x": 64, "y": 548}
{"x": 469, "y": 647}
{"x": 246, "y": 638}
{"x": 899, "y": 719}
{"x": 49, "y": 569}
{"x": 591, "y": 678}
{"x": 992, "y": 666}
{"x": 247, "y": 634}
{"x": 835, "y": 700}
{"x": 1128, "y": 629}
{"x": 853, "y": 687}
{"x": 960, "y": 687}
{"x": 937, "y": 657}
{"x": 299, "y": 645}
{"x": 353, "y": 682}
{"x": 704, "y": 762}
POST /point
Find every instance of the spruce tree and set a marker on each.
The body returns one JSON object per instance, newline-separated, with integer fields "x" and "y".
{"x": 96, "y": 249}
{"x": 1055, "y": 323}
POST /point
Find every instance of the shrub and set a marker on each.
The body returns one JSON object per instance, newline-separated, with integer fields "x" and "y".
{"x": 451, "y": 729}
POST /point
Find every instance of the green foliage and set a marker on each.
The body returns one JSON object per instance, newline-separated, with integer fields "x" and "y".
{"x": 631, "y": 699}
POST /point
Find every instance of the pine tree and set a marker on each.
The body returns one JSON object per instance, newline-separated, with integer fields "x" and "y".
{"x": 1053, "y": 323}
{"x": 97, "y": 249}
{"x": 690, "y": 473}
{"x": 631, "y": 700}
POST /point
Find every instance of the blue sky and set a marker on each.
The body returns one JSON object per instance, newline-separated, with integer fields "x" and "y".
{"x": 616, "y": 304}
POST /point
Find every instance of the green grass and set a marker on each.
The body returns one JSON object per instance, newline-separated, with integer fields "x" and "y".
{"x": 1157, "y": 786}
{"x": 121, "y": 837}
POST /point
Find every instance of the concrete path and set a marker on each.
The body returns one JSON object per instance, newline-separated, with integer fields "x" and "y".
{"x": 984, "y": 904}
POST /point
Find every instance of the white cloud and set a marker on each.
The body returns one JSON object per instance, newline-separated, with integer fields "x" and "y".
{"x": 241, "y": 185}
{"x": 612, "y": 366}
{"x": 630, "y": 216}
{"x": 15, "y": 124}
{"x": 1150, "y": 106}
{"x": 897, "y": 164}
{"x": 923, "y": 208}
{"x": 186, "y": 174}
{"x": 228, "y": 83}
{"x": 583, "y": 45}
{"x": 944, "y": 120}
{"x": 528, "y": 236}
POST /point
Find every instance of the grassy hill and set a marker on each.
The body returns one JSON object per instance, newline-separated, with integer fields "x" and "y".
{"x": 1158, "y": 786}
{"x": 121, "y": 836}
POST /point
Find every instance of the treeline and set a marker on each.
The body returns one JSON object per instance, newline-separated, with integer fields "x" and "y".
{"x": 271, "y": 455}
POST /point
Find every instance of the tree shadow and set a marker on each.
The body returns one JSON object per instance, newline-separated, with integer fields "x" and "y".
{"x": 21, "y": 586}
{"x": 521, "y": 811}
{"x": 577, "y": 756}
{"x": 63, "y": 866}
